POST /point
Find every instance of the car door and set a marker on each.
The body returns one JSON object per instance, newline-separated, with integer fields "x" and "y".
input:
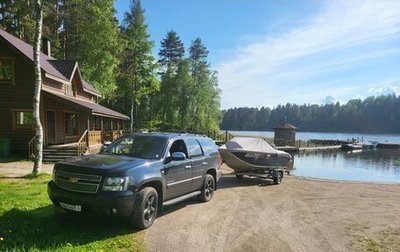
{"x": 177, "y": 173}
{"x": 198, "y": 163}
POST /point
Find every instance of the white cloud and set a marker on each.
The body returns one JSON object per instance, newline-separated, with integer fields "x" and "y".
{"x": 385, "y": 90}
{"x": 344, "y": 34}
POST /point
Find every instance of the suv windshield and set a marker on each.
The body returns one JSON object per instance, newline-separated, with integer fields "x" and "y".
{"x": 146, "y": 147}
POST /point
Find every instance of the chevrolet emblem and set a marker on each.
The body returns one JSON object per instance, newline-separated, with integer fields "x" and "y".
{"x": 73, "y": 180}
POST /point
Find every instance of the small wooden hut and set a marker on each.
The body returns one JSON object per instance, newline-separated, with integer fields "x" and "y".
{"x": 285, "y": 134}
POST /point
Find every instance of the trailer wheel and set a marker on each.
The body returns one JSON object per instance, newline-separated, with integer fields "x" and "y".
{"x": 239, "y": 176}
{"x": 278, "y": 177}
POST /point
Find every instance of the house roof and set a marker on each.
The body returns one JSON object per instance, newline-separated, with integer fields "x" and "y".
{"x": 61, "y": 69}
{"x": 96, "y": 109}
{"x": 65, "y": 67}
{"x": 284, "y": 125}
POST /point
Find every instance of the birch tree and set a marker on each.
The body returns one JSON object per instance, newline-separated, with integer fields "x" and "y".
{"x": 38, "y": 143}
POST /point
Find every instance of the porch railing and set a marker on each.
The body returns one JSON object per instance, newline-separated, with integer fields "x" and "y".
{"x": 220, "y": 137}
{"x": 31, "y": 147}
{"x": 111, "y": 135}
{"x": 95, "y": 138}
{"x": 82, "y": 143}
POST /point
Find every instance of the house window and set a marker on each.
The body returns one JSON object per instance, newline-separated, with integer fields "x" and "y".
{"x": 7, "y": 70}
{"x": 71, "y": 124}
{"x": 22, "y": 119}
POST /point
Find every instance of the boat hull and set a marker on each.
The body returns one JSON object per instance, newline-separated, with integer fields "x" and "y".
{"x": 253, "y": 161}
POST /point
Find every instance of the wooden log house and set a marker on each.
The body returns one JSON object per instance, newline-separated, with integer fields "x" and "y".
{"x": 70, "y": 113}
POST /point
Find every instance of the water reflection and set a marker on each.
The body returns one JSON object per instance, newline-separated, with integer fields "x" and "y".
{"x": 366, "y": 165}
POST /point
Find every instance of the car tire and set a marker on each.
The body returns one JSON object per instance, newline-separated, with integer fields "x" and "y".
{"x": 145, "y": 209}
{"x": 208, "y": 188}
{"x": 278, "y": 177}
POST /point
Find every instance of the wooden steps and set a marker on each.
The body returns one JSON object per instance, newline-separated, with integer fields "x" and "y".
{"x": 52, "y": 154}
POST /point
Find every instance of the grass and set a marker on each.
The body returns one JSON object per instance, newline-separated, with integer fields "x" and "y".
{"x": 385, "y": 240}
{"x": 28, "y": 223}
{"x": 397, "y": 162}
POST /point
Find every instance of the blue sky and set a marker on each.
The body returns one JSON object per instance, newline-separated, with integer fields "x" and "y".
{"x": 273, "y": 52}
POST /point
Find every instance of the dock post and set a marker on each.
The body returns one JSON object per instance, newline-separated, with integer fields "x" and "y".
{"x": 226, "y": 136}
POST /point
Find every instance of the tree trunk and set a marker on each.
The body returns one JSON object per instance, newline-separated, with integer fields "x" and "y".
{"x": 38, "y": 143}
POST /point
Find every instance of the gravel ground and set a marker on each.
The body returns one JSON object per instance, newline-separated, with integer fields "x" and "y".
{"x": 299, "y": 215}
{"x": 9, "y": 168}
{"x": 252, "y": 214}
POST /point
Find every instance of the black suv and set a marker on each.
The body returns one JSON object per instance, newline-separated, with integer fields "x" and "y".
{"x": 137, "y": 174}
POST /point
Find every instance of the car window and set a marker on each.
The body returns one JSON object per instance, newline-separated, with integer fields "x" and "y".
{"x": 178, "y": 146}
{"x": 146, "y": 147}
{"x": 208, "y": 145}
{"x": 194, "y": 148}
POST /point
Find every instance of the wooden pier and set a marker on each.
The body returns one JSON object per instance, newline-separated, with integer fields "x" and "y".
{"x": 303, "y": 149}
{"x": 388, "y": 145}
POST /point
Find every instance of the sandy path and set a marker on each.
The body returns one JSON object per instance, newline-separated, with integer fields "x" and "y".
{"x": 253, "y": 215}
{"x": 21, "y": 168}
{"x": 298, "y": 215}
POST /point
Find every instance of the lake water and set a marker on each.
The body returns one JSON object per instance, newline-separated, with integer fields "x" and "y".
{"x": 379, "y": 165}
{"x": 324, "y": 136}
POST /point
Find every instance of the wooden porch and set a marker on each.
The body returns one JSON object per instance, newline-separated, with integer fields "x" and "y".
{"x": 92, "y": 141}
{"x": 89, "y": 143}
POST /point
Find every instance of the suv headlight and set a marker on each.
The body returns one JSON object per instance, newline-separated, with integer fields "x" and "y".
{"x": 115, "y": 184}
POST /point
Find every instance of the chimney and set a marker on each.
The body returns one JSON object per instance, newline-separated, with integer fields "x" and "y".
{"x": 46, "y": 48}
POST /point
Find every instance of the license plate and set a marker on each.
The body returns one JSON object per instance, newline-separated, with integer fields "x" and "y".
{"x": 75, "y": 208}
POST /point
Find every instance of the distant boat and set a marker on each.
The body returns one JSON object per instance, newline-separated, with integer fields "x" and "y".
{"x": 351, "y": 147}
{"x": 359, "y": 146}
{"x": 247, "y": 154}
{"x": 368, "y": 145}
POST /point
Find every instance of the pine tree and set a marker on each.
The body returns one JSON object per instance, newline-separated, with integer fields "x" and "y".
{"x": 172, "y": 50}
{"x": 171, "y": 54}
{"x": 138, "y": 68}
{"x": 206, "y": 103}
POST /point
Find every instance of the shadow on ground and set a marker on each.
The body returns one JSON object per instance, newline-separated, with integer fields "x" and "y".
{"x": 230, "y": 181}
{"x": 227, "y": 181}
{"x": 43, "y": 229}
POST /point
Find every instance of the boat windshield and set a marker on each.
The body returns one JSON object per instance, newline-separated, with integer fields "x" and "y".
{"x": 139, "y": 146}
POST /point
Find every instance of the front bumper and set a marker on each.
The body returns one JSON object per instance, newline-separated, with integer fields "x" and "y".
{"x": 119, "y": 203}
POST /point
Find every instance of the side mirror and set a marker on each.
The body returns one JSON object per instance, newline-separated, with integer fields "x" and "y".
{"x": 178, "y": 156}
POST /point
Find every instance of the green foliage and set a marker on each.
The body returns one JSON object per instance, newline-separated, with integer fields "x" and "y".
{"x": 17, "y": 18}
{"x": 137, "y": 80}
{"x": 28, "y": 223}
{"x": 373, "y": 115}
{"x": 189, "y": 99}
{"x": 92, "y": 40}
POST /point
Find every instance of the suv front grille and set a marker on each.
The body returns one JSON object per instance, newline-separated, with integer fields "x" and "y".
{"x": 77, "y": 182}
